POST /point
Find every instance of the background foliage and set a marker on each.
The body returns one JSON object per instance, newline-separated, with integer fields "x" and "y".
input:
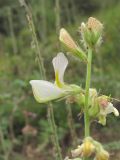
{"x": 18, "y": 65}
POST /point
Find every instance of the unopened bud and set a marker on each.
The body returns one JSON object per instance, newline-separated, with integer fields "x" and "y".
{"x": 68, "y": 41}
{"x": 85, "y": 149}
{"x": 91, "y": 33}
{"x": 88, "y": 148}
{"x": 94, "y": 25}
{"x": 102, "y": 155}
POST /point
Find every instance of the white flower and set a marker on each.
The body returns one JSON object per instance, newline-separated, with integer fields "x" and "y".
{"x": 45, "y": 91}
{"x": 109, "y": 109}
{"x": 106, "y": 108}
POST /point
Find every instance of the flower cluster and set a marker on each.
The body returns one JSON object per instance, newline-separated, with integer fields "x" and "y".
{"x": 100, "y": 107}
{"x": 97, "y": 106}
{"x": 45, "y": 91}
{"x": 90, "y": 148}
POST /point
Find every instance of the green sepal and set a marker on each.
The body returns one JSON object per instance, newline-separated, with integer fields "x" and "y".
{"x": 78, "y": 52}
{"x": 102, "y": 120}
{"x": 94, "y": 109}
{"x": 80, "y": 99}
{"x": 91, "y": 38}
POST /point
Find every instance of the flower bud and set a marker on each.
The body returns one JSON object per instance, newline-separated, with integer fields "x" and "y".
{"x": 94, "y": 25}
{"x": 85, "y": 149}
{"x": 94, "y": 108}
{"x": 67, "y": 40}
{"x": 80, "y": 99}
{"x": 91, "y": 33}
{"x": 102, "y": 155}
{"x": 88, "y": 148}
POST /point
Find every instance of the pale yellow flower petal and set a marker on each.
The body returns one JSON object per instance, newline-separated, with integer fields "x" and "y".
{"x": 60, "y": 63}
{"x": 45, "y": 91}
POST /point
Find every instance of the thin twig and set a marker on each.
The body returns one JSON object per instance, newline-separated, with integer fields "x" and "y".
{"x": 71, "y": 124}
{"x": 43, "y": 75}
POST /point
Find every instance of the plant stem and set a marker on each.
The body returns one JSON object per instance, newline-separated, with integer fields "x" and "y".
{"x": 71, "y": 124}
{"x": 43, "y": 74}
{"x": 35, "y": 43}
{"x": 12, "y": 34}
{"x": 54, "y": 130}
{"x": 2, "y": 143}
{"x": 57, "y": 12}
{"x": 88, "y": 79}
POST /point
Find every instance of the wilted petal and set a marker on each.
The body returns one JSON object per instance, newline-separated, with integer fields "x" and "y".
{"x": 110, "y": 108}
{"x": 45, "y": 91}
{"x": 88, "y": 147}
{"x": 76, "y": 152}
{"x": 102, "y": 155}
{"x": 60, "y": 63}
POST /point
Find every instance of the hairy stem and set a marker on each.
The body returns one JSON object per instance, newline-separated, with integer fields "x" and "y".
{"x": 57, "y": 12}
{"x": 88, "y": 79}
{"x": 12, "y": 34}
{"x": 43, "y": 75}
{"x": 54, "y": 130}
{"x": 35, "y": 43}
{"x": 71, "y": 124}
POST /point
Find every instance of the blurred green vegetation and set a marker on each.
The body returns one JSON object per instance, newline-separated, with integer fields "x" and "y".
{"x": 18, "y": 65}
